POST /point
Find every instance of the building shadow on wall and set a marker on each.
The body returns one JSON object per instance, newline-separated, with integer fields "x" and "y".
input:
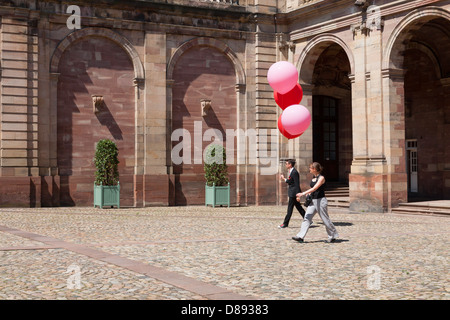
{"x": 213, "y": 122}
{"x": 76, "y": 116}
{"x": 106, "y": 118}
{"x": 201, "y": 73}
{"x": 65, "y": 138}
{"x": 65, "y": 196}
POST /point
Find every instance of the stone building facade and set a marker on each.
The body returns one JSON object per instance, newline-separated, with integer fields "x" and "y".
{"x": 174, "y": 75}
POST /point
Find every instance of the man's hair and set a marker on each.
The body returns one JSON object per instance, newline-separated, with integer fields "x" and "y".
{"x": 291, "y": 162}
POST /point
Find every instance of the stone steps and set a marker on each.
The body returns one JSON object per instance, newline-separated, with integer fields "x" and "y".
{"x": 338, "y": 202}
{"x": 338, "y": 195}
{"x": 339, "y": 198}
{"x": 440, "y": 207}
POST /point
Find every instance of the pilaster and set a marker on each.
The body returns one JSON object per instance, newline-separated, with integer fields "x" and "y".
{"x": 153, "y": 121}
{"x": 19, "y": 164}
{"x": 368, "y": 185}
{"x": 265, "y": 107}
{"x": 19, "y": 113}
{"x": 394, "y": 135}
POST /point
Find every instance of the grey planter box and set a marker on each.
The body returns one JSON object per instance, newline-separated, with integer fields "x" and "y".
{"x": 106, "y": 196}
{"x": 217, "y": 196}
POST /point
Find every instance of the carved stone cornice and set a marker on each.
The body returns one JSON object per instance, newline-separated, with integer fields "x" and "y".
{"x": 240, "y": 87}
{"x": 284, "y": 45}
{"x": 139, "y": 82}
{"x": 395, "y": 74}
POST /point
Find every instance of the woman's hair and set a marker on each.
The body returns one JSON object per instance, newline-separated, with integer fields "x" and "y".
{"x": 317, "y": 166}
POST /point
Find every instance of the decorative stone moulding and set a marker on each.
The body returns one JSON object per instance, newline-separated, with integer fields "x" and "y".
{"x": 97, "y": 102}
{"x": 206, "y": 105}
{"x": 361, "y": 3}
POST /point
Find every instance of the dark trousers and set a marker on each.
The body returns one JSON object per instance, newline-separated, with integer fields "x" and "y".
{"x": 293, "y": 203}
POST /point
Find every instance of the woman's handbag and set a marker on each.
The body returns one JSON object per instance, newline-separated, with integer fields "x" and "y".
{"x": 308, "y": 200}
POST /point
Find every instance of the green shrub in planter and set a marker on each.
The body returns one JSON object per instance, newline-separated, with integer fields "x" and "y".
{"x": 106, "y": 185}
{"x": 217, "y": 188}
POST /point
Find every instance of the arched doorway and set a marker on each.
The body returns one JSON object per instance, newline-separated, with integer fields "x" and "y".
{"x": 427, "y": 110}
{"x": 423, "y": 39}
{"x": 201, "y": 73}
{"x": 94, "y": 66}
{"x": 332, "y": 116}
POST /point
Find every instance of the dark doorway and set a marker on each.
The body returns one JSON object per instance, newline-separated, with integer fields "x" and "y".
{"x": 332, "y": 113}
{"x": 325, "y": 135}
{"x": 427, "y": 110}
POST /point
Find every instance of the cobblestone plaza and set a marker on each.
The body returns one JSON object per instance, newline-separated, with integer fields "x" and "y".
{"x": 199, "y": 253}
{"x": 375, "y": 78}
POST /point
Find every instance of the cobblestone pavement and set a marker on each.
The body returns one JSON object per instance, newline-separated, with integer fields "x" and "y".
{"x": 199, "y": 253}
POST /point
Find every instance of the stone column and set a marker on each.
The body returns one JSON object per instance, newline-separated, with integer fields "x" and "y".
{"x": 394, "y": 136}
{"x": 155, "y": 121}
{"x": 242, "y": 146}
{"x": 168, "y": 141}
{"x": 358, "y": 178}
{"x": 304, "y": 143}
{"x": 265, "y": 108}
{"x": 139, "y": 148}
{"x": 446, "y": 86}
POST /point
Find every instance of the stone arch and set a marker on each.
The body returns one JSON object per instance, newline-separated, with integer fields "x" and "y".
{"x": 98, "y": 32}
{"x": 312, "y": 52}
{"x": 137, "y": 75}
{"x": 217, "y": 44}
{"x": 327, "y": 94}
{"x": 188, "y": 81}
{"x": 396, "y": 43}
{"x": 415, "y": 72}
{"x": 429, "y": 53}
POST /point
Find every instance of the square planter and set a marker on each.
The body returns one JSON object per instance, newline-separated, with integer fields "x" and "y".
{"x": 106, "y": 196}
{"x": 217, "y": 196}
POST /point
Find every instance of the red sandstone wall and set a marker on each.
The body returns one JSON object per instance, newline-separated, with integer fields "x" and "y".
{"x": 201, "y": 73}
{"x": 94, "y": 66}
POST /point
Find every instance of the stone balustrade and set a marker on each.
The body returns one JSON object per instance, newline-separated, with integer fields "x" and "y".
{"x": 203, "y": 2}
{"x": 236, "y": 2}
{"x": 295, "y": 4}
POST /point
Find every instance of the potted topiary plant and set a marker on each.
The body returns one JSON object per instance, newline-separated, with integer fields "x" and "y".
{"x": 106, "y": 185}
{"x": 217, "y": 188}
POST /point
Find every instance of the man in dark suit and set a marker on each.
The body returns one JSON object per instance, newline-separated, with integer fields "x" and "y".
{"x": 293, "y": 181}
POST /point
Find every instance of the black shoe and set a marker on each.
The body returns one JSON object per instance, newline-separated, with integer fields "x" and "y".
{"x": 298, "y": 239}
{"x": 282, "y": 226}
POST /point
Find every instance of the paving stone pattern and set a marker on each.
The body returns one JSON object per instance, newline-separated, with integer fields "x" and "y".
{"x": 198, "y": 253}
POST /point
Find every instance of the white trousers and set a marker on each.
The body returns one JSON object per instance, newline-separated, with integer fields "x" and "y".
{"x": 321, "y": 206}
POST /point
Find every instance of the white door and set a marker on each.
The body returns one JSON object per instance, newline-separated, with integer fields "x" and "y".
{"x": 411, "y": 149}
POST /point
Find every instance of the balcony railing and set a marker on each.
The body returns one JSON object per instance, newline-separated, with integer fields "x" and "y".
{"x": 236, "y": 2}
{"x": 295, "y": 4}
{"x": 205, "y": 2}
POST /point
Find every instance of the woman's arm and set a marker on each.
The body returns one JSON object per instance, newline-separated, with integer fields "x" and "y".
{"x": 316, "y": 186}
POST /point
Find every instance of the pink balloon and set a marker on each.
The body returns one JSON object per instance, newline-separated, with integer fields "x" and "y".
{"x": 283, "y": 132}
{"x": 295, "y": 119}
{"x": 282, "y": 76}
